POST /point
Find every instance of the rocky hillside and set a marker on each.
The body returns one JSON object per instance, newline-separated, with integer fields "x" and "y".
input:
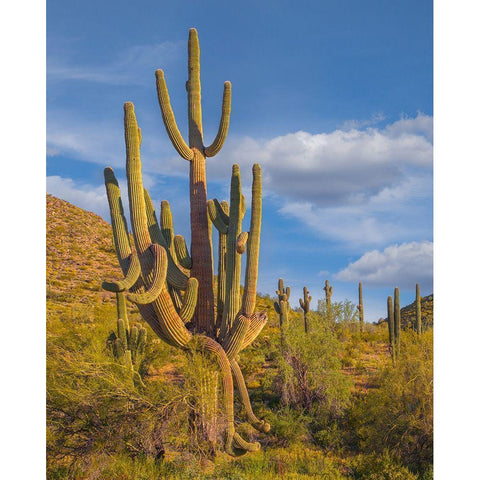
{"x": 408, "y": 313}
{"x": 80, "y": 255}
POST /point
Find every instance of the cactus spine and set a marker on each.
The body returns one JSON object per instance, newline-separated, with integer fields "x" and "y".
{"x": 328, "y": 298}
{"x": 282, "y": 307}
{"x": 172, "y": 286}
{"x": 418, "y": 309}
{"x": 305, "y": 304}
{"x": 360, "y": 306}
{"x": 396, "y": 321}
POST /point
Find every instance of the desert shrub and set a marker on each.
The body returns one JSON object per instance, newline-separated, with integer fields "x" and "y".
{"x": 398, "y": 415}
{"x": 380, "y": 467}
{"x": 312, "y": 391}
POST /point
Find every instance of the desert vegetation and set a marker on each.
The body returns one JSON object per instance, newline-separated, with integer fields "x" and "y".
{"x": 142, "y": 374}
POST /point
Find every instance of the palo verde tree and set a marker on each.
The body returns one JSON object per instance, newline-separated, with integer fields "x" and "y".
{"x": 171, "y": 285}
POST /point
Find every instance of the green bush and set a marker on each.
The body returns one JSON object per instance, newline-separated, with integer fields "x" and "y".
{"x": 398, "y": 415}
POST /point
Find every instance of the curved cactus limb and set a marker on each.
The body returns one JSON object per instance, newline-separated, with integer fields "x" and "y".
{"x": 158, "y": 277}
{"x": 260, "y": 425}
{"x": 181, "y": 251}
{"x": 217, "y": 144}
{"x": 133, "y": 273}
{"x": 169, "y": 118}
{"x": 189, "y": 300}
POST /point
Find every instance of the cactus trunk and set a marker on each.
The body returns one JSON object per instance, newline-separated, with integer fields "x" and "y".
{"x": 360, "y": 306}
{"x": 418, "y": 309}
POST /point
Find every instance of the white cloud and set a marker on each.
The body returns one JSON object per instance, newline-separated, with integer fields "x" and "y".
{"x": 366, "y": 187}
{"x": 340, "y": 167}
{"x": 89, "y": 197}
{"x": 134, "y": 66}
{"x": 401, "y": 265}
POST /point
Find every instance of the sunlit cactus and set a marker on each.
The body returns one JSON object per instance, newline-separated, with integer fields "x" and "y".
{"x": 128, "y": 344}
{"x": 391, "y": 335}
{"x": 305, "y": 305}
{"x": 360, "y": 307}
{"x": 328, "y": 298}
{"x": 418, "y": 309}
{"x": 171, "y": 285}
{"x": 282, "y": 307}
{"x": 397, "y": 321}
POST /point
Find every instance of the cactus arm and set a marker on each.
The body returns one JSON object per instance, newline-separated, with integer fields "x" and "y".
{"x": 136, "y": 193}
{"x": 217, "y": 144}
{"x": 258, "y": 321}
{"x": 189, "y": 300}
{"x": 260, "y": 425}
{"x": 133, "y": 273}
{"x": 236, "y": 336}
{"x": 175, "y": 277}
{"x": 233, "y": 265}
{"x": 242, "y": 242}
{"x": 169, "y": 118}
{"x": 253, "y": 245}
{"x": 166, "y": 222}
{"x": 214, "y": 210}
{"x": 119, "y": 223}
{"x": 158, "y": 277}
{"x": 223, "y": 210}
{"x": 181, "y": 251}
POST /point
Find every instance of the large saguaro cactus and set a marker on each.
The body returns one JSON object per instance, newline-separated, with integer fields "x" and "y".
{"x": 171, "y": 285}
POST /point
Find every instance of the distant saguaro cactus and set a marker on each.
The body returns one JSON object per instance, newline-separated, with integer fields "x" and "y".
{"x": 397, "y": 321}
{"x": 360, "y": 306}
{"x": 328, "y": 298}
{"x": 305, "y": 304}
{"x": 172, "y": 286}
{"x": 418, "y": 309}
{"x": 391, "y": 328}
{"x": 282, "y": 307}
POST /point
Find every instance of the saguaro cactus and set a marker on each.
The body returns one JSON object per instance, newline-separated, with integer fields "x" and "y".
{"x": 391, "y": 335}
{"x": 418, "y": 309}
{"x": 172, "y": 287}
{"x": 360, "y": 306}
{"x": 128, "y": 344}
{"x": 328, "y": 298}
{"x": 305, "y": 304}
{"x": 282, "y": 307}
{"x": 396, "y": 320}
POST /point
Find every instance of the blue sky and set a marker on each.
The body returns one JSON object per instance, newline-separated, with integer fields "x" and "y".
{"x": 332, "y": 98}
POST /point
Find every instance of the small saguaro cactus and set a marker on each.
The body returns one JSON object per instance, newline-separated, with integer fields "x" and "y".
{"x": 397, "y": 321}
{"x": 282, "y": 307}
{"x": 128, "y": 344}
{"x": 418, "y": 309}
{"x": 171, "y": 285}
{"x": 305, "y": 304}
{"x": 391, "y": 336}
{"x": 328, "y": 298}
{"x": 360, "y": 306}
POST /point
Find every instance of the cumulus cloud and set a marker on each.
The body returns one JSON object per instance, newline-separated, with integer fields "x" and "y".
{"x": 134, "y": 66}
{"x": 341, "y": 167}
{"x": 366, "y": 187}
{"x": 401, "y": 265}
